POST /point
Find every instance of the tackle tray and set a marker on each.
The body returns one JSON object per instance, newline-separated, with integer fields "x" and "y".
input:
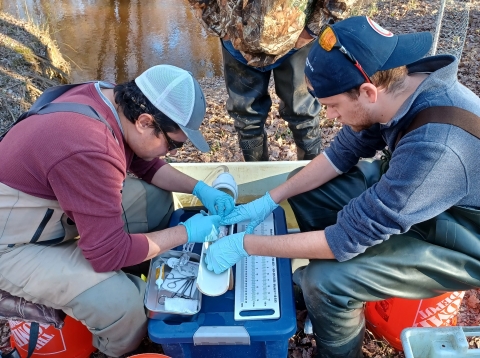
{"x": 156, "y": 310}
{"x": 436, "y": 342}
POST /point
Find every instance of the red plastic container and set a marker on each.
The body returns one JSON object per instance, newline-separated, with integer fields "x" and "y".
{"x": 386, "y": 319}
{"x": 74, "y": 340}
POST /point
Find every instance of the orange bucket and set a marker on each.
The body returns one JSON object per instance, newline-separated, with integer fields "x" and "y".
{"x": 386, "y": 319}
{"x": 74, "y": 340}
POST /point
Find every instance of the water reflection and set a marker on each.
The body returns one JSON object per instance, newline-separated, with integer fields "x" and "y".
{"x": 117, "y": 39}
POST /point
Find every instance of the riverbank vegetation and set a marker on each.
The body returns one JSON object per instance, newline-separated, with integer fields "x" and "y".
{"x": 30, "y": 62}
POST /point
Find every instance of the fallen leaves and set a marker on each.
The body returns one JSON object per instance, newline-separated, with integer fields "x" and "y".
{"x": 473, "y": 301}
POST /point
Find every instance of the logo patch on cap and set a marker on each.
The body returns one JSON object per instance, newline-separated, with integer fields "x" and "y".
{"x": 379, "y": 29}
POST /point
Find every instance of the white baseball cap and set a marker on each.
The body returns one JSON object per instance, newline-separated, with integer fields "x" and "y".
{"x": 178, "y": 95}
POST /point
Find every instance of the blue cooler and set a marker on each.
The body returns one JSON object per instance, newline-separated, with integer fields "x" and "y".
{"x": 213, "y": 332}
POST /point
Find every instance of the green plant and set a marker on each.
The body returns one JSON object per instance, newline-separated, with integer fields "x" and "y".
{"x": 215, "y": 147}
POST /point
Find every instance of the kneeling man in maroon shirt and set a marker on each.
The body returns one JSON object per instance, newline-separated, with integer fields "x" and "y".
{"x": 70, "y": 216}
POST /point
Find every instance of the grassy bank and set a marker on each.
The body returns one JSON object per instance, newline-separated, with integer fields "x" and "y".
{"x": 30, "y": 62}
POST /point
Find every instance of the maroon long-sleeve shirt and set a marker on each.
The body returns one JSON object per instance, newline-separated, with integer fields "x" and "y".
{"x": 76, "y": 160}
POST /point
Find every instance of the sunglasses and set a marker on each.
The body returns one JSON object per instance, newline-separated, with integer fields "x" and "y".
{"x": 328, "y": 40}
{"x": 172, "y": 144}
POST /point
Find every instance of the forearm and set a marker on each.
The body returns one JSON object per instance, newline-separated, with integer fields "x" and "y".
{"x": 305, "y": 245}
{"x": 316, "y": 173}
{"x": 171, "y": 179}
{"x": 161, "y": 241}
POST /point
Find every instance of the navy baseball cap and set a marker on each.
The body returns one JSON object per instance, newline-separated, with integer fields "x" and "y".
{"x": 376, "y": 49}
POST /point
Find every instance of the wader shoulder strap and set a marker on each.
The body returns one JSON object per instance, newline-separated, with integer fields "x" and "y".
{"x": 458, "y": 117}
{"x": 43, "y": 105}
{"x": 49, "y": 95}
{"x": 75, "y": 108}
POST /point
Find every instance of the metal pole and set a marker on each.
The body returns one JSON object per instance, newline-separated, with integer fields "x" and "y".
{"x": 438, "y": 27}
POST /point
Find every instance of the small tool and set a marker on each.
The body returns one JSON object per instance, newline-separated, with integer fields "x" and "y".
{"x": 180, "y": 285}
{"x": 160, "y": 275}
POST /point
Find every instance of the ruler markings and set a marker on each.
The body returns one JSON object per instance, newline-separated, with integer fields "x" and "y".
{"x": 257, "y": 281}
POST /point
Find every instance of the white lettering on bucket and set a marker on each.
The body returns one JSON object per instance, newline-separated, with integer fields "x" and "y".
{"x": 442, "y": 313}
{"x": 21, "y": 334}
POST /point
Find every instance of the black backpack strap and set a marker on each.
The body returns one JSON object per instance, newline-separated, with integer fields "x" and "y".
{"x": 49, "y": 95}
{"x": 32, "y": 340}
{"x": 458, "y": 117}
{"x": 43, "y": 105}
{"x": 75, "y": 108}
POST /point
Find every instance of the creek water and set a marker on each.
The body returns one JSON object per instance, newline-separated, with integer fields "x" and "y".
{"x": 115, "y": 40}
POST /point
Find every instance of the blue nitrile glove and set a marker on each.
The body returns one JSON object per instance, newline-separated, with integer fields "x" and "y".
{"x": 217, "y": 202}
{"x": 256, "y": 211}
{"x": 225, "y": 253}
{"x": 202, "y": 227}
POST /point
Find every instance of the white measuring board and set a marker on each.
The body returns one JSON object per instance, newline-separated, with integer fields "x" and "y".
{"x": 256, "y": 281}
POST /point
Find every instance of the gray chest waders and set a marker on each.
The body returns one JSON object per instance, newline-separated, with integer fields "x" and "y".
{"x": 45, "y": 212}
{"x": 44, "y": 105}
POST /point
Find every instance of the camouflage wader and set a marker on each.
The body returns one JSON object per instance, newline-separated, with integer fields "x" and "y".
{"x": 263, "y": 34}
{"x": 249, "y": 103}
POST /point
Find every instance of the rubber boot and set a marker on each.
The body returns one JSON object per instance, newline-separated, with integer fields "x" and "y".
{"x": 255, "y": 149}
{"x": 351, "y": 349}
{"x": 297, "y": 106}
{"x": 310, "y": 153}
{"x": 248, "y": 104}
{"x": 299, "y": 299}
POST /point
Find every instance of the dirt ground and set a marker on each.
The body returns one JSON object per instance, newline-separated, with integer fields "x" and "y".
{"x": 29, "y": 64}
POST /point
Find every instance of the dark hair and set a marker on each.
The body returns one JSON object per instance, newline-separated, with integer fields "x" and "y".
{"x": 133, "y": 103}
{"x": 392, "y": 80}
